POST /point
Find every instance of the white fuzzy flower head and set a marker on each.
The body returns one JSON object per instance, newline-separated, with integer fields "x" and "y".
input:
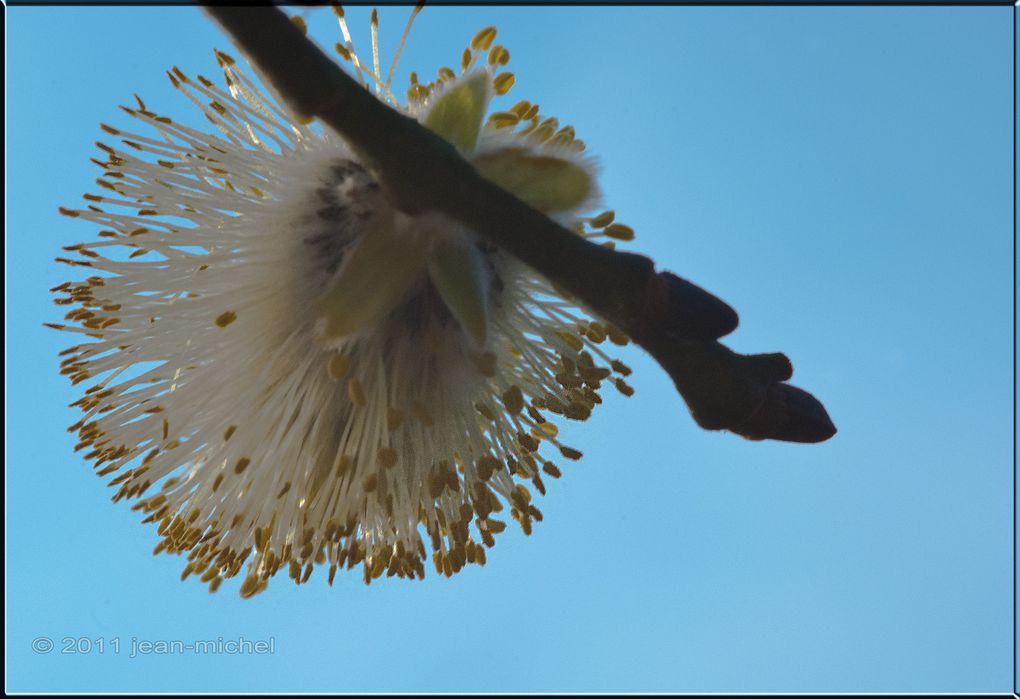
{"x": 287, "y": 372}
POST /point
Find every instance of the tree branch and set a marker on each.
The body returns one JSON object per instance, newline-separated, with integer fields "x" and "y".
{"x": 677, "y": 322}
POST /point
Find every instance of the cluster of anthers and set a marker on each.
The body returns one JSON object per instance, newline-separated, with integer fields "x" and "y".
{"x": 307, "y": 376}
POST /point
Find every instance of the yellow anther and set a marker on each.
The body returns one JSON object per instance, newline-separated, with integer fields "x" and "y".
{"x": 603, "y": 219}
{"x": 521, "y": 108}
{"x": 249, "y": 587}
{"x": 572, "y": 341}
{"x": 417, "y": 93}
{"x": 616, "y": 336}
{"x": 520, "y": 496}
{"x": 620, "y": 368}
{"x": 551, "y": 122}
{"x": 620, "y": 231}
{"x": 578, "y": 411}
{"x": 498, "y": 56}
{"x": 344, "y": 465}
{"x": 356, "y": 393}
{"x": 541, "y": 134}
{"x": 572, "y": 454}
{"x": 386, "y": 457}
{"x": 338, "y": 366}
{"x": 546, "y": 429}
{"x": 503, "y": 83}
{"x": 343, "y": 51}
{"x": 623, "y": 387}
{"x": 513, "y": 400}
{"x": 483, "y": 39}
{"x": 596, "y": 333}
{"x": 550, "y": 468}
{"x": 527, "y": 441}
{"x": 225, "y": 58}
{"x": 560, "y": 139}
{"x": 502, "y": 120}
{"x": 394, "y": 418}
{"x": 487, "y": 465}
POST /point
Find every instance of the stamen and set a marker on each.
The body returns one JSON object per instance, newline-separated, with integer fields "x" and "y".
{"x": 403, "y": 40}
{"x": 338, "y": 10}
{"x": 374, "y": 22}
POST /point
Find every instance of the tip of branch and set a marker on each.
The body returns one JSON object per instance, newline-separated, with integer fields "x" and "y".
{"x": 743, "y": 393}
{"x": 789, "y": 414}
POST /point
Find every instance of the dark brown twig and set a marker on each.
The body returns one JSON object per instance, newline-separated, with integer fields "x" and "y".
{"x": 677, "y": 322}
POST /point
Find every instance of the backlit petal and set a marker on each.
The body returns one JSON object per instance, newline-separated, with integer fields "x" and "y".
{"x": 456, "y": 267}
{"x": 373, "y": 279}
{"x": 457, "y": 114}
{"x": 545, "y": 182}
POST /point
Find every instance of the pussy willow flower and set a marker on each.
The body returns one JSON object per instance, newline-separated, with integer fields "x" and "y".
{"x": 287, "y": 372}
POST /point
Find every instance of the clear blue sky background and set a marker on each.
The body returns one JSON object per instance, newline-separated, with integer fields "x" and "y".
{"x": 842, "y": 177}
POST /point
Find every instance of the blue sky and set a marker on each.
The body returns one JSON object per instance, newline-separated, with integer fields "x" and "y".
{"x": 841, "y": 176}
